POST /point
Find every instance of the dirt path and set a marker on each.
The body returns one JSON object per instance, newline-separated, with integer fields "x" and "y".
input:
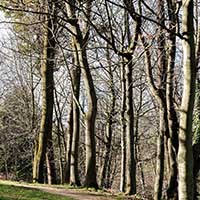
{"x": 76, "y": 194}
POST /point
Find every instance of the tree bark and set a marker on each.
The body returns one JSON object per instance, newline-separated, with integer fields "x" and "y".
{"x": 105, "y": 172}
{"x": 90, "y": 179}
{"x": 61, "y": 167}
{"x": 129, "y": 116}
{"x": 51, "y": 168}
{"x": 90, "y": 116}
{"x": 69, "y": 144}
{"x": 159, "y": 95}
{"x": 137, "y": 146}
{"x": 74, "y": 175}
{"x": 160, "y": 154}
{"x": 123, "y": 131}
{"x": 47, "y": 99}
{"x": 172, "y": 141}
{"x": 185, "y": 157}
{"x": 61, "y": 137}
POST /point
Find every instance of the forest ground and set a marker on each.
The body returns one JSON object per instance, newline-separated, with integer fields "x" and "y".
{"x": 76, "y": 194}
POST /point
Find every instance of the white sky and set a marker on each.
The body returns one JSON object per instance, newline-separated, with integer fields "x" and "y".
{"x": 3, "y": 26}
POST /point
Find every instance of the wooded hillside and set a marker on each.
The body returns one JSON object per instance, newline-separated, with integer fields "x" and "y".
{"x": 101, "y": 94}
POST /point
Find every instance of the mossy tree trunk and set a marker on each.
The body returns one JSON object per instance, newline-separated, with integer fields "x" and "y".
{"x": 47, "y": 66}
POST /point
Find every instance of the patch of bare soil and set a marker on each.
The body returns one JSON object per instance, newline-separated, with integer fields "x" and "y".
{"x": 76, "y": 194}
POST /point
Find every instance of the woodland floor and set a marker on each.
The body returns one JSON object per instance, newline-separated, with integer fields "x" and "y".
{"x": 77, "y": 194}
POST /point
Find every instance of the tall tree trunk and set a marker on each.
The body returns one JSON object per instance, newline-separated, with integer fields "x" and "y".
{"x": 81, "y": 40}
{"x": 160, "y": 154}
{"x": 61, "y": 137}
{"x": 172, "y": 190}
{"x": 137, "y": 147}
{"x": 74, "y": 176}
{"x": 185, "y": 157}
{"x": 123, "y": 108}
{"x": 159, "y": 95}
{"x": 130, "y": 167}
{"x": 61, "y": 167}
{"x": 47, "y": 98}
{"x": 129, "y": 116}
{"x": 108, "y": 138}
{"x": 123, "y": 131}
{"x": 69, "y": 135}
{"x": 90, "y": 179}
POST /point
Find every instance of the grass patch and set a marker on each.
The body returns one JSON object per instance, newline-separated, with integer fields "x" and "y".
{"x": 10, "y": 192}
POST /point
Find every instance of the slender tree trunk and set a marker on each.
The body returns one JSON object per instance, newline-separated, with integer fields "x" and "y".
{"x": 110, "y": 176}
{"x": 123, "y": 131}
{"x": 105, "y": 165}
{"x": 90, "y": 116}
{"x": 129, "y": 116}
{"x": 108, "y": 139}
{"x": 61, "y": 168}
{"x": 48, "y": 167}
{"x": 47, "y": 99}
{"x": 185, "y": 157}
{"x": 69, "y": 144}
{"x": 51, "y": 171}
{"x": 167, "y": 158}
{"x": 90, "y": 179}
{"x": 142, "y": 177}
{"x": 137, "y": 147}
{"x": 130, "y": 167}
{"x": 160, "y": 155}
{"x": 159, "y": 95}
{"x": 51, "y": 161}
{"x": 74, "y": 175}
{"x": 61, "y": 136}
{"x": 172, "y": 141}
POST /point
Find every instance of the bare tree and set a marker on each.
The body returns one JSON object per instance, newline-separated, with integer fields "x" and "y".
{"x": 185, "y": 157}
{"x": 44, "y": 147}
{"x": 81, "y": 38}
{"x": 105, "y": 170}
{"x": 172, "y": 140}
{"x": 76, "y": 73}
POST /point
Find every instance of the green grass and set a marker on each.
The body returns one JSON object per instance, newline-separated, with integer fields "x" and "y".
{"x": 9, "y": 192}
